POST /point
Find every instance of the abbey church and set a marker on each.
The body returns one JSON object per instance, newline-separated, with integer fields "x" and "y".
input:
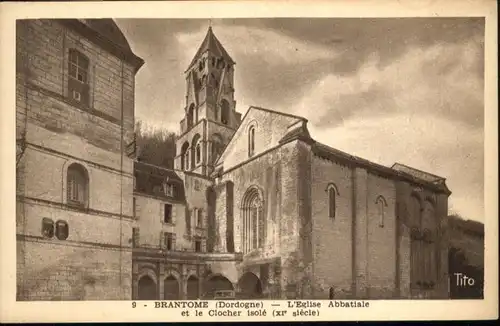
{"x": 254, "y": 205}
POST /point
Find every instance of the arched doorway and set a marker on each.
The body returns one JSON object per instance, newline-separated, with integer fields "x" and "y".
{"x": 216, "y": 283}
{"x": 171, "y": 288}
{"x": 250, "y": 286}
{"x": 146, "y": 288}
{"x": 193, "y": 292}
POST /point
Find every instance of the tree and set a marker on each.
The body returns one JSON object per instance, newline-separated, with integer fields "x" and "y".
{"x": 155, "y": 146}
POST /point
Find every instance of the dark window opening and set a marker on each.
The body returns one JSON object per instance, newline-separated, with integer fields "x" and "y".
{"x": 47, "y": 228}
{"x": 170, "y": 241}
{"x": 77, "y": 185}
{"x": 197, "y": 245}
{"x": 251, "y": 142}
{"x": 167, "y": 215}
{"x": 198, "y": 153}
{"x": 332, "y": 202}
{"x": 199, "y": 218}
{"x": 134, "y": 207}
{"x": 331, "y": 293}
{"x": 62, "y": 230}
{"x": 225, "y": 112}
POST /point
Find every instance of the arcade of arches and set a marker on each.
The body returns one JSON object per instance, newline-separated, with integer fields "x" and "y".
{"x": 249, "y": 286}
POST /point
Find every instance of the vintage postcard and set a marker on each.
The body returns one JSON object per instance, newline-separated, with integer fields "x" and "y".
{"x": 225, "y": 161}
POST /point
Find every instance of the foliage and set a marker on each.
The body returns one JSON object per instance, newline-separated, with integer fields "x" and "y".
{"x": 155, "y": 146}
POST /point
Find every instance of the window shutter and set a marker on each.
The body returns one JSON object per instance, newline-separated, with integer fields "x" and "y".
{"x": 162, "y": 212}
{"x": 173, "y": 241}
{"x": 162, "y": 240}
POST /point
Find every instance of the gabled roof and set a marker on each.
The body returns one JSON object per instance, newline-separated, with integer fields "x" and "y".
{"x": 105, "y": 33}
{"x": 212, "y": 44}
{"x": 245, "y": 116}
{"x": 328, "y": 152}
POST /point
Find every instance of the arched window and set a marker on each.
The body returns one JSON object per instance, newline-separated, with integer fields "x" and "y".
{"x": 331, "y": 293}
{"x": 251, "y": 141}
{"x": 190, "y": 116}
{"x": 78, "y": 72}
{"x": 253, "y": 231}
{"x": 77, "y": 185}
{"x": 332, "y": 199}
{"x": 381, "y": 206}
{"x": 224, "y": 113}
{"x": 196, "y": 151}
{"x": 217, "y": 147}
{"x": 185, "y": 156}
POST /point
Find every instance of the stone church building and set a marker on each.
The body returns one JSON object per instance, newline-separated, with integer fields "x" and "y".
{"x": 254, "y": 204}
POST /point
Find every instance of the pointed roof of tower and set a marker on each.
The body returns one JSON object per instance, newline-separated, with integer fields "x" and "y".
{"x": 212, "y": 44}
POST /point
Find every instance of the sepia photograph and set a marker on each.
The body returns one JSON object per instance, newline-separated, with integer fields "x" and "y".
{"x": 249, "y": 158}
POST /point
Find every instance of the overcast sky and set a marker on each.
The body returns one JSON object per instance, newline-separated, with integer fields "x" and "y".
{"x": 406, "y": 90}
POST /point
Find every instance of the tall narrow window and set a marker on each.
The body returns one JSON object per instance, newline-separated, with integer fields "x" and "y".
{"x": 224, "y": 113}
{"x": 198, "y": 153}
{"x": 185, "y": 156}
{"x": 191, "y": 116}
{"x": 167, "y": 213}
{"x": 169, "y": 239}
{"x": 197, "y": 245}
{"x": 253, "y": 231}
{"x": 77, "y": 185}
{"x": 251, "y": 141}
{"x": 199, "y": 218}
{"x": 78, "y": 72}
{"x": 134, "y": 207}
{"x": 195, "y": 150}
{"x": 332, "y": 200}
{"x": 216, "y": 147}
{"x": 381, "y": 206}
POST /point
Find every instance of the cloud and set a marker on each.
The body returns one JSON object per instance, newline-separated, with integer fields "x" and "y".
{"x": 437, "y": 80}
{"x": 450, "y": 149}
{"x": 271, "y": 47}
{"x": 425, "y": 110}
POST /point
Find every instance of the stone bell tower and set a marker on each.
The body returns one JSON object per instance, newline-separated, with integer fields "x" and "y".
{"x": 210, "y": 118}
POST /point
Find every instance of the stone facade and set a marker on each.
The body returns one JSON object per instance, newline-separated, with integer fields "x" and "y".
{"x": 55, "y": 132}
{"x": 254, "y": 205}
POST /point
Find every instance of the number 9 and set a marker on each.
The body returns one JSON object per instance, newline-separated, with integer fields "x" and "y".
{"x": 134, "y": 304}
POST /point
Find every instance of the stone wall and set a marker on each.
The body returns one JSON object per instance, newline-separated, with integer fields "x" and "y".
{"x": 332, "y": 237}
{"x": 94, "y": 262}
